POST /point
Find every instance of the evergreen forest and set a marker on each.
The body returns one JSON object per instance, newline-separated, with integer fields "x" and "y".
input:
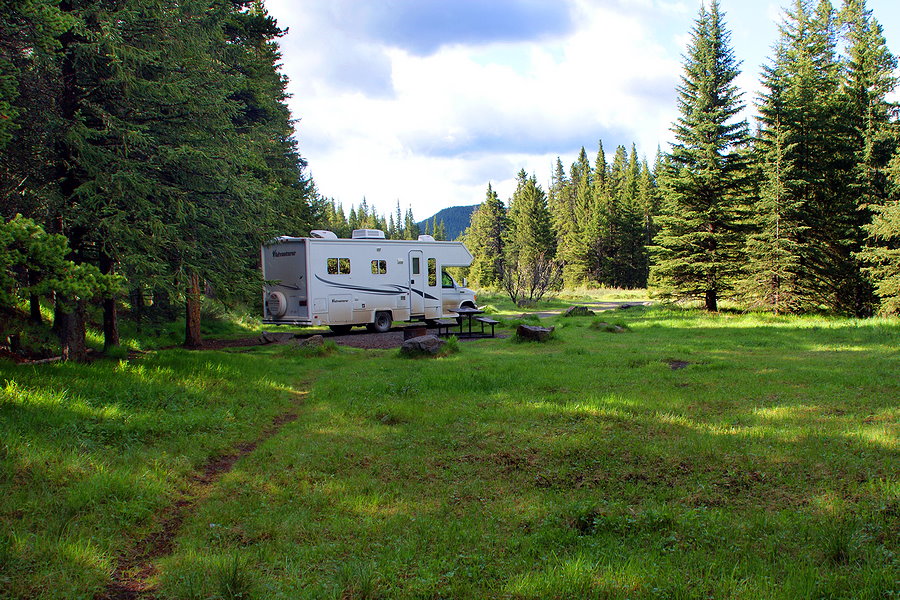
{"x": 146, "y": 151}
{"x": 738, "y": 439}
{"x": 796, "y": 212}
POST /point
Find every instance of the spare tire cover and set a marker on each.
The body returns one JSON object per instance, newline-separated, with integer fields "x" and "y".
{"x": 276, "y": 304}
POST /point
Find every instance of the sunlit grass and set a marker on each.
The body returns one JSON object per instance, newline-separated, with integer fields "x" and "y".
{"x": 586, "y": 468}
{"x": 90, "y": 453}
{"x": 499, "y": 303}
{"x": 697, "y": 456}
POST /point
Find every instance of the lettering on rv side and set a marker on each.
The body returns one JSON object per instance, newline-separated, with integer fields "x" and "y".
{"x": 277, "y": 254}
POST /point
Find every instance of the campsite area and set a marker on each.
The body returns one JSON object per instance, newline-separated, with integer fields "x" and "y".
{"x": 647, "y": 452}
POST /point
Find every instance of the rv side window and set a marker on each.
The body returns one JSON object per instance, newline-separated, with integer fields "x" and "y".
{"x": 446, "y": 280}
{"x": 432, "y": 271}
{"x": 415, "y": 265}
{"x": 338, "y": 266}
{"x": 379, "y": 267}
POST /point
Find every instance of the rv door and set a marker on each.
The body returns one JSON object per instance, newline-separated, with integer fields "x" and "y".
{"x": 416, "y": 284}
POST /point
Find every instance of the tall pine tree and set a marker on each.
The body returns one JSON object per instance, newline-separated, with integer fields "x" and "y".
{"x": 529, "y": 235}
{"x": 869, "y": 79}
{"x": 485, "y": 240}
{"x": 882, "y": 253}
{"x": 698, "y": 248}
{"x": 774, "y": 277}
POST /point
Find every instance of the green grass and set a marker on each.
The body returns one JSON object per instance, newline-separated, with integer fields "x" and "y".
{"x": 89, "y": 453}
{"x": 763, "y": 465}
{"x": 498, "y": 303}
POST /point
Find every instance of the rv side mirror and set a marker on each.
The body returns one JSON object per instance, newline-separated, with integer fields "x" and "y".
{"x": 465, "y": 282}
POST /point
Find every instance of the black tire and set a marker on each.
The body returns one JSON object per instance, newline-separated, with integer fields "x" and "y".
{"x": 383, "y": 322}
{"x": 340, "y": 329}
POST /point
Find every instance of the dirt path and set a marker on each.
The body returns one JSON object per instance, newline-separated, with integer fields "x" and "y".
{"x": 359, "y": 338}
{"x": 136, "y": 567}
{"x": 596, "y": 307}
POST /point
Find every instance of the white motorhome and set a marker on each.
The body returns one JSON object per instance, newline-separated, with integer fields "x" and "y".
{"x": 366, "y": 280}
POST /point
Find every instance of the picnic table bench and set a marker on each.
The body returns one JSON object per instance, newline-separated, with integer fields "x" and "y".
{"x": 487, "y": 321}
{"x": 445, "y": 324}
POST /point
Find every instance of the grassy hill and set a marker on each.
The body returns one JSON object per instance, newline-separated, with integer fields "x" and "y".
{"x": 693, "y": 456}
{"x": 456, "y": 219}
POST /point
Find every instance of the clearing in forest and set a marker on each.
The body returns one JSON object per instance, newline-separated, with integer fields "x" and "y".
{"x": 690, "y": 455}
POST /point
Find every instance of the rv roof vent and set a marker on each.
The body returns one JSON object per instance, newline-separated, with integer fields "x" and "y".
{"x": 324, "y": 234}
{"x": 426, "y": 238}
{"x": 368, "y": 234}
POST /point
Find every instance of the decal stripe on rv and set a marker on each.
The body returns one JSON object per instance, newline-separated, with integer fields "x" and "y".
{"x": 397, "y": 289}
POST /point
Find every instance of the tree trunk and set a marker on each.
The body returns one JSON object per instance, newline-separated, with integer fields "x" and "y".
{"x": 34, "y": 304}
{"x": 137, "y": 306}
{"x": 68, "y": 320}
{"x": 34, "y": 301}
{"x": 192, "y": 317}
{"x": 110, "y": 313}
{"x": 69, "y": 326}
{"x": 711, "y": 301}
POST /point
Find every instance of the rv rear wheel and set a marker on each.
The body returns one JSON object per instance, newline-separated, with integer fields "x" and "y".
{"x": 383, "y": 321}
{"x": 340, "y": 329}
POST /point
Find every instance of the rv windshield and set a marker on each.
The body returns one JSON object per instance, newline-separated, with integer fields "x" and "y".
{"x": 446, "y": 280}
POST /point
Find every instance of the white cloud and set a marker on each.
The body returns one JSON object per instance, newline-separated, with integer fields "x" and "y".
{"x": 445, "y": 124}
{"x": 432, "y": 124}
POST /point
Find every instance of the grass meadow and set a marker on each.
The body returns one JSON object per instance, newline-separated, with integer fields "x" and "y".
{"x": 691, "y": 456}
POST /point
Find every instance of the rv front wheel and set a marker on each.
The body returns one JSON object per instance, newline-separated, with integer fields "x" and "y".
{"x": 383, "y": 321}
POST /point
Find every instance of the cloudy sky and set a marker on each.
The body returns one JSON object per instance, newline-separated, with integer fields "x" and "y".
{"x": 426, "y": 101}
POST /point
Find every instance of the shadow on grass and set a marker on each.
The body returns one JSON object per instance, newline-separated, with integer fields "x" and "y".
{"x": 512, "y": 476}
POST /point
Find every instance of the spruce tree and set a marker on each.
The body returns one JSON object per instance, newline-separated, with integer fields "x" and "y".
{"x": 560, "y": 207}
{"x": 392, "y": 228}
{"x": 882, "y": 253}
{"x": 29, "y": 32}
{"x": 813, "y": 131}
{"x": 698, "y": 248}
{"x": 869, "y": 79}
{"x": 630, "y": 258}
{"x": 485, "y": 240}
{"x": 399, "y": 222}
{"x": 774, "y": 276}
{"x": 577, "y": 222}
{"x": 529, "y": 267}
{"x": 602, "y": 246}
{"x": 530, "y": 234}
{"x": 611, "y": 242}
{"x": 410, "y": 228}
{"x": 648, "y": 206}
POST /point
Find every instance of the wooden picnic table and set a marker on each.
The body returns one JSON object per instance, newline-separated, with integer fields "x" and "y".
{"x": 469, "y": 314}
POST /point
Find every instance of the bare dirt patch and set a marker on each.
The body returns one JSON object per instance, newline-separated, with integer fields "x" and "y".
{"x": 355, "y": 339}
{"x": 676, "y": 364}
{"x": 597, "y": 307}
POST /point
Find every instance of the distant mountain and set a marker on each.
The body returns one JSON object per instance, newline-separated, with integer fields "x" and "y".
{"x": 456, "y": 219}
